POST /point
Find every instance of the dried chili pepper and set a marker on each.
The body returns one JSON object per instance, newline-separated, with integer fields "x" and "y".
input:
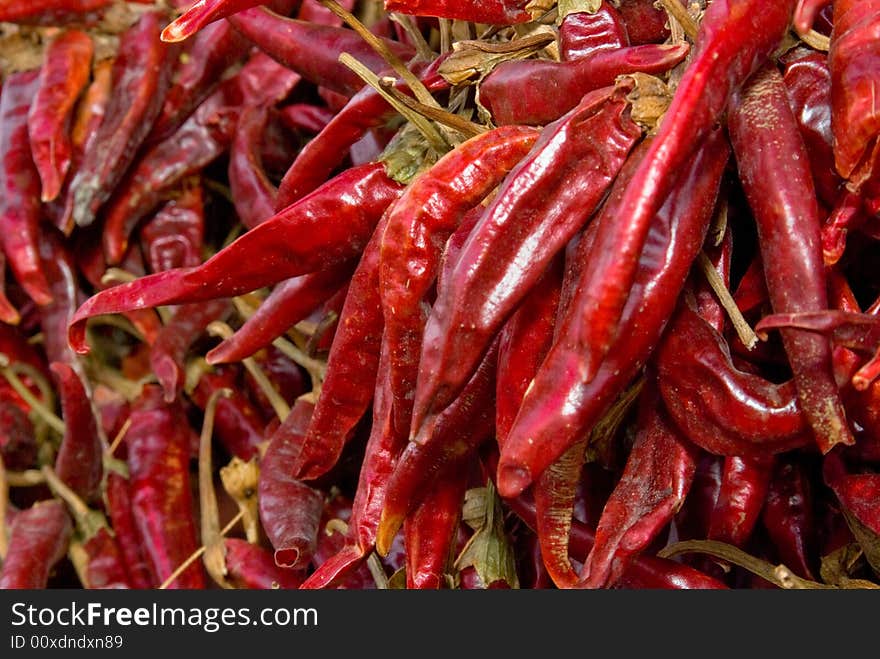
{"x": 64, "y": 74}
{"x": 582, "y": 33}
{"x": 48, "y": 11}
{"x": 493, "y": 12}
{"x": 744, "y": 488}
{"x": 544, "y": 201}
{"x": 174, "y": 237}
{"x": 253, "y": 194}
{"x": 105, "y": 566}
{"x": 60, "y": 271}
{"x": 200, "y": 15}
{"x": 788, "y": 515}
{"x": 18, "y": 448}
{"x": 251, "y": 566}
{"x": 645, "y": 23}
{"x": 20, "y": 186}
{"x": 38, "y": 540}
{"x": 118, "y": 498}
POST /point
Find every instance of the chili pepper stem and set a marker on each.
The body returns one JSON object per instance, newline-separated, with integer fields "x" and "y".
{"x": 88, "y": 521}
{"x": 36, "y": 405}
{"x": 214, "y": 556}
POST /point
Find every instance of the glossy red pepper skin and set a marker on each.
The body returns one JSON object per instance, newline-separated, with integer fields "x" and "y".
{"x": 118, "y": 501}
{"x": 582, "y": 33}
{"x": 311, "y": 49}
{"x": 735, "y": 38}
{"x": 855, "y": 83}
{"x": 20, "y": 187}
{"x": 744, "y": 488}
{"x": 158, "y": 458}
{"x": 418, "y": 225}
{"x": 326, "y": 228}
{"x": 253, "y": 194}
{"x": 537, "y": 92}
{"x": 252, "y": 567}
{"x": 774, "y": 169}
{"x": 174, "y": 237}
{"x": 79, "y": 460}
{"x": 63, "y": 75}
{"x": 789, "y": 517}
{"x": 540, "y": 206}
{"x": 655, "y": 481}
{"x": 60, "y": 270}
{"x": 141, "y": 77}
{"x": 493, "y": 12}
{"x": 289, "y": 302}
{"x": 38, "y": 540}
{"x": 858, "y": 495}
{"x": 48, "y": 11}
{"x": 559, "y": 407}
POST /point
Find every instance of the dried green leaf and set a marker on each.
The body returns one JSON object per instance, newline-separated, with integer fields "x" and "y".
{"x": 488, "y": 550}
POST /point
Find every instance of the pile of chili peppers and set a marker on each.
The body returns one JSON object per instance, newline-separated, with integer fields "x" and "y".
{"x": 440, "y": 294}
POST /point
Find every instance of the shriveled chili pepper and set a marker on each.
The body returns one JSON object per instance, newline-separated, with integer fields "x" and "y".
{"x": 544, "y": 201}
{"x": 63, "y": 75}
{"x": 18, "y": 448}
{"x": 774, "y": 169}
{"x": 141, "y": 76}
{"x": 168, "y": 352}
{"x": 251, "y": 566}
{"x": 38, "y": 540}
{"x": 559, "y": 407}
{"x": 855, "y": 83}
{"x": 645, "y": 23}
{"x": 582, "y": 33}
{"x": 744, "y": 488}
{"x": 158, "y": 457}
{"x": 289, "y": 302}
{"x": 493, "y": 12}
{"x": 118, "y": 498}
{"x": 788, "y": 515}
{"x": 418, "y": 225}
{"x": 858, "y": 495}
{"x": 331, "y": 539}
{"x": 213, "y": 51}
{"x": 311, "y": 49}
{"x": 174, "y": 237}
{"x": 79, "y": 459}
{"x": 658, "y": 474}
{"x": 60, "y": 270}
{"x": 306, "y": 117}
{"x": 327, "y": 227}
{"x": 20, "y": 187}
{"x": 253, "y": 194}
{"x": 290, "y": 510}
{"x": 105, "y": 566}
{"x": 734, "y": 39}
{"x": 540, "y": 91}
{"x": 48, "y": 11}
{"x": 720, "y": 408}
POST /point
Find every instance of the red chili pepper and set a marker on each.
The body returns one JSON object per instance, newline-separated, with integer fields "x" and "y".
{"x": 306, "y": 117}
{"x": 20, "y": 187}
{"x": 559, "y": 408}
{"x": 18, "y": 448}
{"x": 658, "y": 474}
{"x": 38, "y": 540}
{"x": 199, "y": 15}
{"x": 290, "y": 510}
{"x": 8, "y": 313}
{"x": 251, "y": 566}
{"x": 645, "y": 23}
{"x": 744, "y": 487}
{"x": 311, "y": 49}
{"x": 418, "y": 225}
{"x": 141, "y": 76}
{"x": 326, "y": 228}
{"x": 119, "y": 505}
{"x": 693, "y": 519}
{"x": 718, "y": 407}
{"x": 774, "y": 169}
{"x": 59, "y": 269}
{"x": 855, "y": 83}
{"x": 47, "y": 11}
{"x": 858, "y": 495}
{"x": 542, "y": 203}
{"x": 493, "y": 12}
{"x": 253, "y": 194}
{"x": 735, "y": 38}
{"x": 331, "y": 539}
{"x": 537, "y": 92}
{"x": 105, "y": 566}
{"x": 582, "y": 33}
{"x": 158, "y": 442}
{"x": 63, "y": 75}
{"x": 789, "y": 518}
{"x": 79, "y": 460}
{"x": 289, "y": 302}
{"x": 174, "y": 237}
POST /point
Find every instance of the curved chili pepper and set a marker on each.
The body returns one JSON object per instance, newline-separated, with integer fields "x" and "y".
{"x": 174, "y": 237}
{"x": 117, "y": 493}
{"x": 64, "y": 74}
{"x": 692, "y": 520}
{"x": 158, "y": 457}
{"x": 774, "y": 169}
{"x": 289, "y": 302}
{"x": 658, "y": 474}
{"x": 331, "y": 540}
{"x": 253, "y": 194}
{"x": 537, "y": 92}
{"x": 213, "y": 51}
{"x": 38, "y": 540}
{"x": 199, "y": 15}
{"x": 492, "y": 12}
{"x": 141, "y": 76}
{"x": 855, "y": 83}
{"x": 312, "y": 50}
{"x": 559, "y": 408}
{"x": 251, "y": 566}
{"x": 735, "y": 38}
{"x": 48, "y": 11}
{"x": 365, "y": 110}
{"x": 59, "y": 269}
{"x": 327, "y": 227}
{"x": 542, "y": 203}
{"x": 788, "y": 516}
{"x": 79, "y": 459}
{"x": 20, "y": 187}
{"x": 418, "y": 225}
{"x": 745, "y": 484}
{"x": 105, "y": 566}
{"x": 858, "y": 494}
{"x": 582, "y": 33}
{"x": 719, "y": 408}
